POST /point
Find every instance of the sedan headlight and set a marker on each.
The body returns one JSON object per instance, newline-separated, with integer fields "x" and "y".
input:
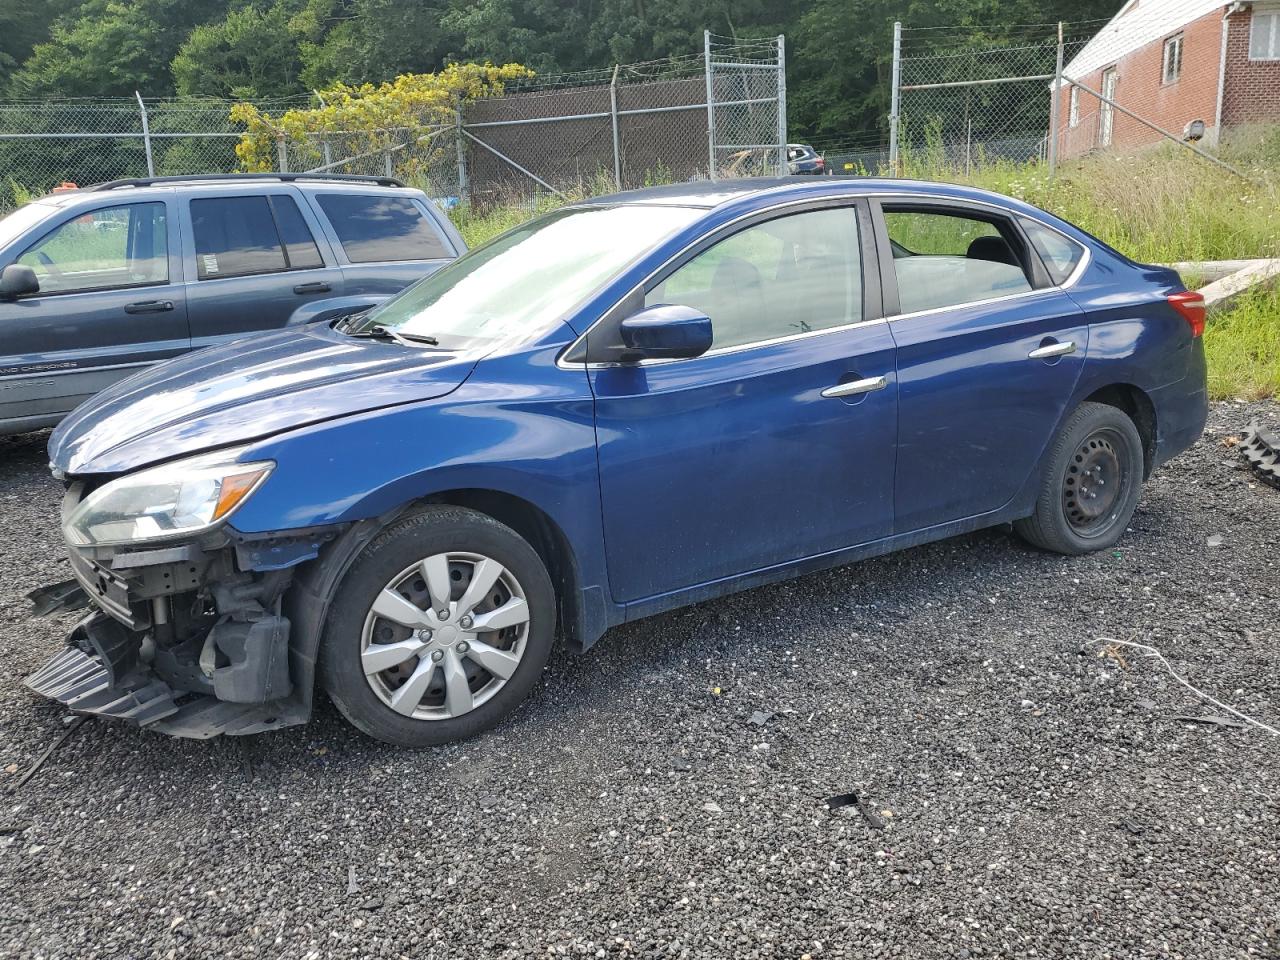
{"x": 172, "y": 500}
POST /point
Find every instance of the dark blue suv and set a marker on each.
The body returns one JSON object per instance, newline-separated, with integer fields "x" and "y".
{"x": 97, "y": 283}
{"x": 621, "y": 407}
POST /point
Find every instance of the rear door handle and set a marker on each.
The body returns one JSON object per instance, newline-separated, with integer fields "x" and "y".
{"x": 856, "y": 386}
{"x": 1050, "y": 350}
{"x": 149, "y": 306}
{"x": 318, "y": 286}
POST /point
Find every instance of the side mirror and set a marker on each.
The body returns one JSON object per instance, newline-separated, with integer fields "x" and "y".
{"x": 666, "y": 331}
{"x": 18, "y": 280}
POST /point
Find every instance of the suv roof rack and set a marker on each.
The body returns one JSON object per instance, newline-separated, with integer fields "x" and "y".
{"x": 234, "y": 177}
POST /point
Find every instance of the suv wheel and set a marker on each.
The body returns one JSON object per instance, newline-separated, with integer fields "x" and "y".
{"x": 439, "y": 630}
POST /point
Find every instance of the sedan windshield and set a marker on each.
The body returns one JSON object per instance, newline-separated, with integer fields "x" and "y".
{"x": 528, "y": 277}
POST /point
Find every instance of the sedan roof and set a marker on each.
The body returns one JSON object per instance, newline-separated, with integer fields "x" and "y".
{"x": 708, "y": 194}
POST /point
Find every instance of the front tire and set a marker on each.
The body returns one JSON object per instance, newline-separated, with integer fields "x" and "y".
{"x": 1090, "y": 485}
{"x": 439, "y": 630}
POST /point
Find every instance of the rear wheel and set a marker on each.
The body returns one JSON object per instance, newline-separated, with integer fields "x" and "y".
{"x": 1090, "y": 485}
{"x": 439, "y": 630}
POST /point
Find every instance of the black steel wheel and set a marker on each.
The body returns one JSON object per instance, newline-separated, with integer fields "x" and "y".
{"x": 1090, "y": 483}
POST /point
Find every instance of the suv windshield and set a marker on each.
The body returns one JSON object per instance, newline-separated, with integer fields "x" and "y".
{"x": 529, "y": 276}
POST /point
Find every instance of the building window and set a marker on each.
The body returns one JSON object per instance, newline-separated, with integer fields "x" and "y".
{"x": 1172, "y": 60}
{"x": 1264, "y": 34}
{"x": 1073, "y": 110}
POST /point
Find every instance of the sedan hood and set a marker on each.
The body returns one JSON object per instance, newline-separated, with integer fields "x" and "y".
{"x": 245, "y": 390}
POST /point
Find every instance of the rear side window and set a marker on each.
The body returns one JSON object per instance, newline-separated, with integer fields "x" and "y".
{"x": 945, "y": 259}
{"x": 242, "y": 236}
{"x": 1060, "y": 255}
{"x": 124, "y": 246}
{"x": 373, "y": 229}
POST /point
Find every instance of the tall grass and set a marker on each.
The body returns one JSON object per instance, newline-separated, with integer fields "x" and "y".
{"x": 1242, "y": 345}
{"x": 1163, "y": 205}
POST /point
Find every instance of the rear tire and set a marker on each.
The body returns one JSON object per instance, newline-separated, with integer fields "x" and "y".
{"x": 403, "y": 673}
{"x": 1090, "y": 485}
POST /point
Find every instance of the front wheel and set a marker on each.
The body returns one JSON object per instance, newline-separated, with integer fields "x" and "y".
{"x": 1090, "y": 485}
{"x": 439, "y": 630}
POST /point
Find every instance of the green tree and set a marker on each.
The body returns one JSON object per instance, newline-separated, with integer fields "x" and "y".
{"x": 249, "y": 55}
{"x": 110, "y": 48}
{"x": 368, "y": 41}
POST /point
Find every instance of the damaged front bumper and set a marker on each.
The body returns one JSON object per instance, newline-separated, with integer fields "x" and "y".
{"x": 189, "y": 639}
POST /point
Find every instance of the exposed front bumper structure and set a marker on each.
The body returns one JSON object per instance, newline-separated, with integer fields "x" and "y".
{"x": 188, "y": 639}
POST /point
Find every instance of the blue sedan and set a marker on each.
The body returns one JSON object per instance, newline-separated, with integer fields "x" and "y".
{"x": 628, "y": 405}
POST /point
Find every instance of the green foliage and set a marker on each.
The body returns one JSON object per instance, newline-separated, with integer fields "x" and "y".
{"x": 386, "y": 115}
{"x": 107, "y": 48}
{"x": 838, "y": 50}
{"x": 249, "y": 55}
{"x": 1242, "y": 344}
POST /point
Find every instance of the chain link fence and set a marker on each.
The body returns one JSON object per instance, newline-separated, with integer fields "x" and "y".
{"x": 720, "y": 112}
{"x": 963, "y": 100}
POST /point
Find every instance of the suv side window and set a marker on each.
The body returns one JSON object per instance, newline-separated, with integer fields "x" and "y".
{"x": 124, "y": 246}
{"x": 944, "y": 258}
{"x": 795, "y": 274}
{"x": 376, "y": 229}
{"x": 242, "y": 236}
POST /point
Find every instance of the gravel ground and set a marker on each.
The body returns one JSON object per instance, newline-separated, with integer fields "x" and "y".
{"x": 1024, "y": 796}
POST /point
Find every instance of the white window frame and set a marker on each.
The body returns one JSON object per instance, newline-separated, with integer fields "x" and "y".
{"x": 1270, "y": 14}
{"x": 1073, "y": 107}
{"x": 1171, "y": 60}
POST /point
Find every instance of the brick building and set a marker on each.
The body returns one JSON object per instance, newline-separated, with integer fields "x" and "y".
{"x": 1190, "y": 66}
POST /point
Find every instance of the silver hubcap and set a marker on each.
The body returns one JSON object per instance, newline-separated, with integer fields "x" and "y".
{"x": 444, "y": 635}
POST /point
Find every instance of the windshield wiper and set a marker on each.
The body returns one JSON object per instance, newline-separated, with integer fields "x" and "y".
{"x": 379, "y": 332}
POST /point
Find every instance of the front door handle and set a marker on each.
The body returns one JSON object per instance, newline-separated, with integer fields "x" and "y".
{"x": 854, "y": 387}
{"x": 149, "y": 306}
{"x": 1051, "y": 350}
{"x": 318, "y": 286}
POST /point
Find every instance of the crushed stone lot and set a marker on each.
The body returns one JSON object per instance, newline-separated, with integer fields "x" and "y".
{"x": 1024, "y": 792}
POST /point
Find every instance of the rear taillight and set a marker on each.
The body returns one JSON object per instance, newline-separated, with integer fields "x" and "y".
{"x": 1191, "y": 307}
{"x": 821, "y": 164}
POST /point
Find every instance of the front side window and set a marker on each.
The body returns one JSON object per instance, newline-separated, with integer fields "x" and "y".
{"x": 943, "y": 259}
{"x": 375, "y": 229}
{"x": 1264, "y": 34}
{"x": 518, "y": 285}
{"x": 1172, "y": 60}
{"x": 795, "y": 274}
{"x": 123, "y": 246}
{"x": 1059, "y": 254}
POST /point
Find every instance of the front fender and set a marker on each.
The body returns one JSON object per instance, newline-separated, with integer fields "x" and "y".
{"x": 520, "y": 426}
{"x": 333, "y": 307}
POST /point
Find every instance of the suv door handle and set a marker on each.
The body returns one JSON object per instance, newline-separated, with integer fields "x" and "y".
{"x": 149, "y": 306}
{"x": 318, "y": 286}
{"x": 1051, "y": 350}
{"x": 856, "y": 386}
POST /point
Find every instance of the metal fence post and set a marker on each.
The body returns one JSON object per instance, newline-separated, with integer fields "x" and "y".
{"x": 282, "y": 153}
{"x": 894, "y": 97}
{"x": 613, "y": 116}
{"x": 711, "y": 109}
{"x": 1054, "y": 109}
{"x": 782, "y": 106}
{"x": 461, "y": 149}
{"x": 146, "y": 134}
